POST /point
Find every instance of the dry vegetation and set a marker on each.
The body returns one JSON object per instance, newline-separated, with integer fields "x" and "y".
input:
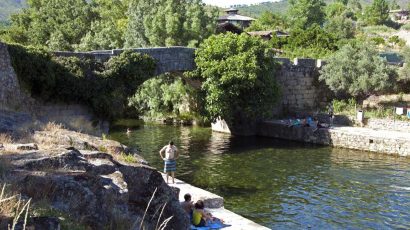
{"x": 5, "y": 138}
{"x": 53, "y": 127}
{"x": 13, "y": 209}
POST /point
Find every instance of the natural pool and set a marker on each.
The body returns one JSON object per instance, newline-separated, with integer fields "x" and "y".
{"x": 282, "y": 184}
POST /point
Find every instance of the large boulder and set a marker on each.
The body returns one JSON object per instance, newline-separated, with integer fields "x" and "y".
{"x": 99, "y": 191}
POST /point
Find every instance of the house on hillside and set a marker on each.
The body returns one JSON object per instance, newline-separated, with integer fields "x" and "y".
{"x": 232, "y": 17}
{"x": 267, "y": 35}
{"x": 400, "y": 15}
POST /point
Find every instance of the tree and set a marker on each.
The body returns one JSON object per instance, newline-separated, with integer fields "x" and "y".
{"x": 268, "y": 21}
{"x": 305, "y": 13}
{"x": 238, "y": 77}
{"x": 135, "y": 35}
{"x": 60, "y": 24}
{"x": 404, "y": 74}
{"x": 313, "y": 42}
{"x": 354, "y": 9}
{"x": 108, "y": 29}
{"x": 341, "y": 27}
{"x": 394, "y": 5}
{"x": 357, "y": 70}
{"x": 335, "y": 9}
{"x": 168, "y": 22}
{"x": 162, "y": 96}
{"x": 198, "y": 24}
{"x": 377, "y": 13}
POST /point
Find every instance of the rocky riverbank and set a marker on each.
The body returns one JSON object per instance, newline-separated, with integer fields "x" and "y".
{"x": 93, "y": 182}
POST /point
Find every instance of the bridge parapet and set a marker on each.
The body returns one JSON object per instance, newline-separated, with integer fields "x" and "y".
{"x": 301, "y": 62}
{"x": 169, "y": 59}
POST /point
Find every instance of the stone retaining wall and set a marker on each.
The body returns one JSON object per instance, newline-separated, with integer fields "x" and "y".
{"x": 11, "y": 95}
{"x": 344, "y": 137}
{"x": 388, "y": 124}
{"x": 300, "y": 88}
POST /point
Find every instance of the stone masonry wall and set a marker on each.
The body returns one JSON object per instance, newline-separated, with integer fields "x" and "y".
{"x": 300, "y": 88}
{"x": 11, "y": 95}
{"x": 388, "y": 124}
{"x": 169, "y": 59}
{"x": 344, "y": 137}
{"x": 374, "y": 123}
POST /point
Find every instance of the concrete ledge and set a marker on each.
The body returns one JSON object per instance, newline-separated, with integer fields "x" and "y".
{"x": 381, "y": 141}
{"x": 214, "y": 205}
{"x": 210, "y": 200}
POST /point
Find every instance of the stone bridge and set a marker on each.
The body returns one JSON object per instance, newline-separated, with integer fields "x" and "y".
{"x": 169, "y": 59}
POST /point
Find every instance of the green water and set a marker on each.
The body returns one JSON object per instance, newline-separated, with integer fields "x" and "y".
{"x": 285, "y": 185}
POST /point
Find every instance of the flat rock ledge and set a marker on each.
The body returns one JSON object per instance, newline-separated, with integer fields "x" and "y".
{"x": 95, "y": 189}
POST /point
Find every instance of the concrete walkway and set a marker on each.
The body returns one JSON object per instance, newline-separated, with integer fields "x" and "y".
{"x": 367, "y": 139}
{"x": 214, "y": 205}
{"x": 379, "y": 133}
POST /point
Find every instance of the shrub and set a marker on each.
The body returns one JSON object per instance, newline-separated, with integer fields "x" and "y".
{"x": 406, "y": 26}
{"x": 238, "y": 74}
{"x": 105, "y": 87}
{"x": 162, "y": 96}
{"x": 404, "y": 73}
{"x": 313, "y": 42}
{"x": 378, "y": 29}
{"x": 357, "y": 70}
{"x": 347, "y": 107}
{"x": 35, "y": 70}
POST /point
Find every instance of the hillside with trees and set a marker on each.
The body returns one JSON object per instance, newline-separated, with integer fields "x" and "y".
{"x": 8, "y": 7}
{"x": 281, "y": 7}
{"x": 106, "y": 24}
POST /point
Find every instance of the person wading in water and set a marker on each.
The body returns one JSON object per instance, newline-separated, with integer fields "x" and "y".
{"x": 170, "y": 164}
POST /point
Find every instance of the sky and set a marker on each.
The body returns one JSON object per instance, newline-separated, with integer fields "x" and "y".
{"x": 227, "y": 3}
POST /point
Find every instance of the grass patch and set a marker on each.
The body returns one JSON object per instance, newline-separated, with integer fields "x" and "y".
{"x": 350, "y": 107}
{"x": 378, "y": 29}
{"x": 128, "y": 158}
{"x": 406, "y": 27}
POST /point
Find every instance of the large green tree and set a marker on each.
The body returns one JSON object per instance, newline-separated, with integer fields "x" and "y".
{"x": 168, "y": 22}
{"x": 377, "y": 13}
{"x": 58, "y": 24}
{"x": 238, "y": 74}
{"x": 357, "y": 70}
{"x": 305, "y": 13}
{"x": 135, "y": 34}
{"x": 108, "y": 29}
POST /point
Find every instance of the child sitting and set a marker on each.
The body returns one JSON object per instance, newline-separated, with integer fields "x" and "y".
{"x": 199, "y": 216}
{"x": 187, "y": 205}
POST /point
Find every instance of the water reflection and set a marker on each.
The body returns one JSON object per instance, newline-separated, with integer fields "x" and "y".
{"x": 283, "y": 184}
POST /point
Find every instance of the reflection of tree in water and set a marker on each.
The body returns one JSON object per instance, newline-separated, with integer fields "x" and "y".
{"x": 284, "y": 184}
{"x": 218, "y": 143}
